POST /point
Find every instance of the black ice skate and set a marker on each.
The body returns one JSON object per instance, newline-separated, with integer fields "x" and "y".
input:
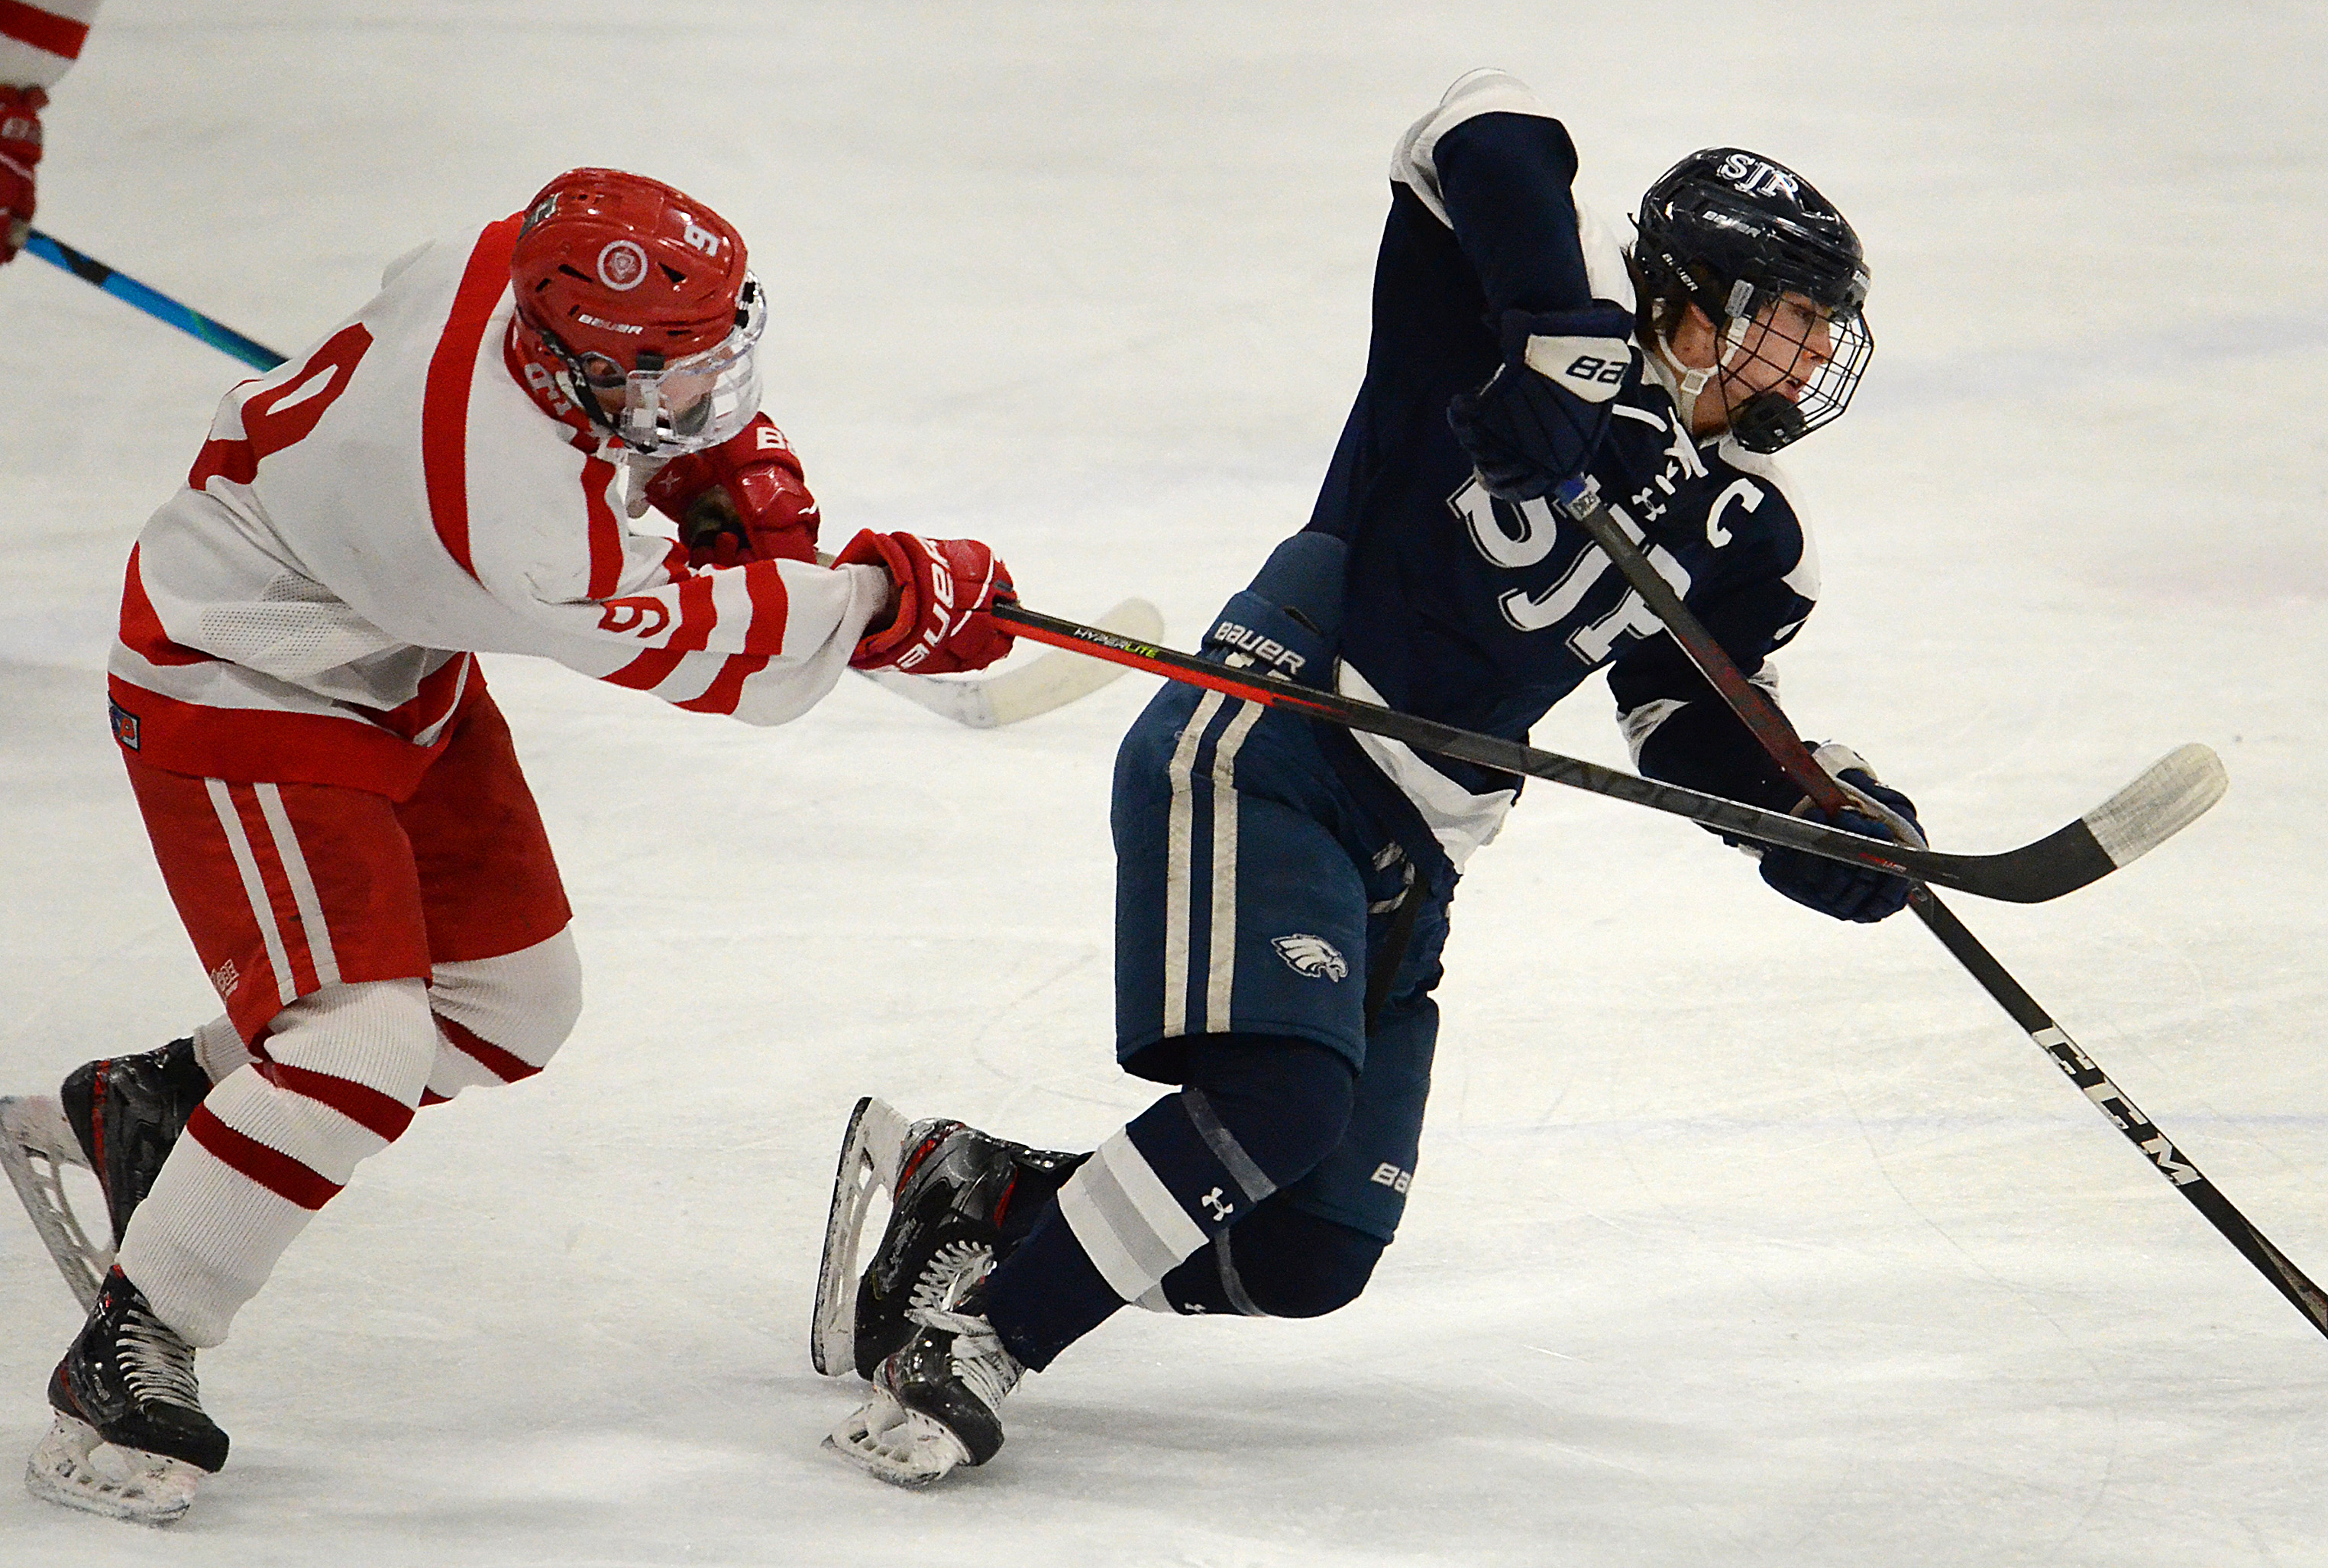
{"x": 126, "y": 1112}
{"x": 116, "y": 1117}
{"x": 940, "y": 1401}
{"x": 962, "y": 1198}
{"x": 130, "y": 1440}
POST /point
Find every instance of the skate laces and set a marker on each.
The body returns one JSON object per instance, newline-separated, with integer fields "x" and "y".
{"x": 951, "y": 1269}
{"x": 981, "y": 1360}
{"x": 158, "y": 1365}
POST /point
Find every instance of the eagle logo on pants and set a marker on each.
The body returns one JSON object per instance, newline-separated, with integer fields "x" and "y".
{"x": 1311, "y": 955}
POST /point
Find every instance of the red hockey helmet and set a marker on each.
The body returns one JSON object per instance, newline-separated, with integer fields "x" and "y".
{"x": 636, "y": 288}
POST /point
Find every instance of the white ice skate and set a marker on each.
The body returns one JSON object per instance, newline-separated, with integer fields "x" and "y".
{"x": 36, "y": 1146}
{"x": 870, "y": 1150}
{"x": 900, "y": 1446}
{"x": 77, "y": 1467}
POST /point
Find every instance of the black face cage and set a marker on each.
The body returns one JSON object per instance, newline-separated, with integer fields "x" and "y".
{"x": 1734, "y": 260}
{"x": 1769, "y": 421}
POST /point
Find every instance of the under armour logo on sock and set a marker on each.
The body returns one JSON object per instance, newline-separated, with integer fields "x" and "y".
{"x": 1212, "y": 1200}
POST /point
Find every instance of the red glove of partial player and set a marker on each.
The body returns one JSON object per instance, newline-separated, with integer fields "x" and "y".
{"x": 20, "y": 154}
{"x": 944, "y": 588}
{"x": 741, "y": 500}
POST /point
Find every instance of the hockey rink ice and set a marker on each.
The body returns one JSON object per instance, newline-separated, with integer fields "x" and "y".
{"x": 1739, "y": 1237}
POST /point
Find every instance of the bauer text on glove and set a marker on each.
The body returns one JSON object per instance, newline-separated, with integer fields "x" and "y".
{"x": 945, "y": 588}
{"x": 1542, "y": 416}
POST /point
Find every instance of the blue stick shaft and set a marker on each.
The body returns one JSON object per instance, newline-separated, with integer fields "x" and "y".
{"x": 152, "y": 302}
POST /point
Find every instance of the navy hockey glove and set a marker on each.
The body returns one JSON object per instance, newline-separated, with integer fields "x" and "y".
{"x": 1289, "y": 620}
{"x": 1541, "y": 415}
{"x": 1857, "y": 893}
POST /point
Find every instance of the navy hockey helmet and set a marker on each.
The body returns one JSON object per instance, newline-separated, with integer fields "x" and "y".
{"x": 1731, "y": 231}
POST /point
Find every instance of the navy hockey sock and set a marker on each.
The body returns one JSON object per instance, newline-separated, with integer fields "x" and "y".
{"x": 1279, "y": 1263}
{"x": 1257, "y": 1113}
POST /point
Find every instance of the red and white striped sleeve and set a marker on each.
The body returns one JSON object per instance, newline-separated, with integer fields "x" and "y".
{"x": 39, "y": 42}
{"x": 763, "y": 642}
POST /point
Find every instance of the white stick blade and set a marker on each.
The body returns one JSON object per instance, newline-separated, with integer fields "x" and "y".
{"x": 963, "y": 701}
{"x": 1059, "y": 677}
{"x": 2174, "y": 792}
{"x": 1052, "y": 681}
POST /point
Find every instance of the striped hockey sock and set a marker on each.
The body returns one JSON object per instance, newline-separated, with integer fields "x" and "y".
{"x": 1158, "y": 1189}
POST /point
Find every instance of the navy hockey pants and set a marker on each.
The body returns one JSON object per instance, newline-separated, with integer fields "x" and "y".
{"x": 1256, "y": 899}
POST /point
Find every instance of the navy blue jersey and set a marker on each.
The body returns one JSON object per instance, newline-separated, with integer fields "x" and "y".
{"x": 1483, "y": 614}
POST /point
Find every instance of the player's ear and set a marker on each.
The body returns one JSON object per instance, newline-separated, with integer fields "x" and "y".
{"x": 1691, "y": 338}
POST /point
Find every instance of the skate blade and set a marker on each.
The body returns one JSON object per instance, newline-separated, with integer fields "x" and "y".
{"x": 36, "y": 1145}
{"x": 902, "y": 1447}
{"x": 869, "y": 1151}
{"x": 75, "y": 1467}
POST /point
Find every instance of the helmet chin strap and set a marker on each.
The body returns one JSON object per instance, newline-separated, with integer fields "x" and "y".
{"x": 555, "y": 383}
{"x": 1681, "y": 381}
{"x": 1686, "y": 382}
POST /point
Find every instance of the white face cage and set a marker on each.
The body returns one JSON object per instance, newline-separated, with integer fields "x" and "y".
{"x": 700, "y": 400}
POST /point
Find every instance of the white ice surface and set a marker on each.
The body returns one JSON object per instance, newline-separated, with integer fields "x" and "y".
{"x": 1740, "y": 1238}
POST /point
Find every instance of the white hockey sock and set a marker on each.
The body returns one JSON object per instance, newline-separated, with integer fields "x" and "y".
{"x": 219, "y": 1047}
{"x": 272, "y": 1145}
{"x": 499, "y": 1019}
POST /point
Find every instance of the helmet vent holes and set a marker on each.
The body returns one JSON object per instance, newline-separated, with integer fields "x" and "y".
{"x": 640, "y": 291}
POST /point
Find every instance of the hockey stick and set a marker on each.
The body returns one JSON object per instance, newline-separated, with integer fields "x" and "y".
{"x": 983, "y": 704}
{"x": 2167, "y": 797}
{"x": 152, "y": 301}
{"x": 1616, "y": 537}
{"x": 1052, "y": 681}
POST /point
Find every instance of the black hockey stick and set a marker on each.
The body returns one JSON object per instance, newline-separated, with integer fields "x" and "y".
{"x": 2167, "y": 797}
{"x": 1615, "y": 536}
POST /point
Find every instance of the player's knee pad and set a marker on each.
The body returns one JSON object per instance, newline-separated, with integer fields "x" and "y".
{"x": 502, "y": 1019}
{"x": 1281, "y": 1261}
{"x": 1256, "y": 1114}
{"x": 377, "y": 1034}
{"x": 1293, "y": 1264}
{"x": 1284, "y": 1101}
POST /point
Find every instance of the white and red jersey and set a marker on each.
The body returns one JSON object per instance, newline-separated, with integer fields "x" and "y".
{"x": 367, "y": 517}
{"x": 38, "y": 42}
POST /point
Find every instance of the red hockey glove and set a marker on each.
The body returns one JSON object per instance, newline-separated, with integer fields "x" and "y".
{"x": 741, "y": 500}
{"x": 20, "y": 154}
{"x": 944, "y": 588}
